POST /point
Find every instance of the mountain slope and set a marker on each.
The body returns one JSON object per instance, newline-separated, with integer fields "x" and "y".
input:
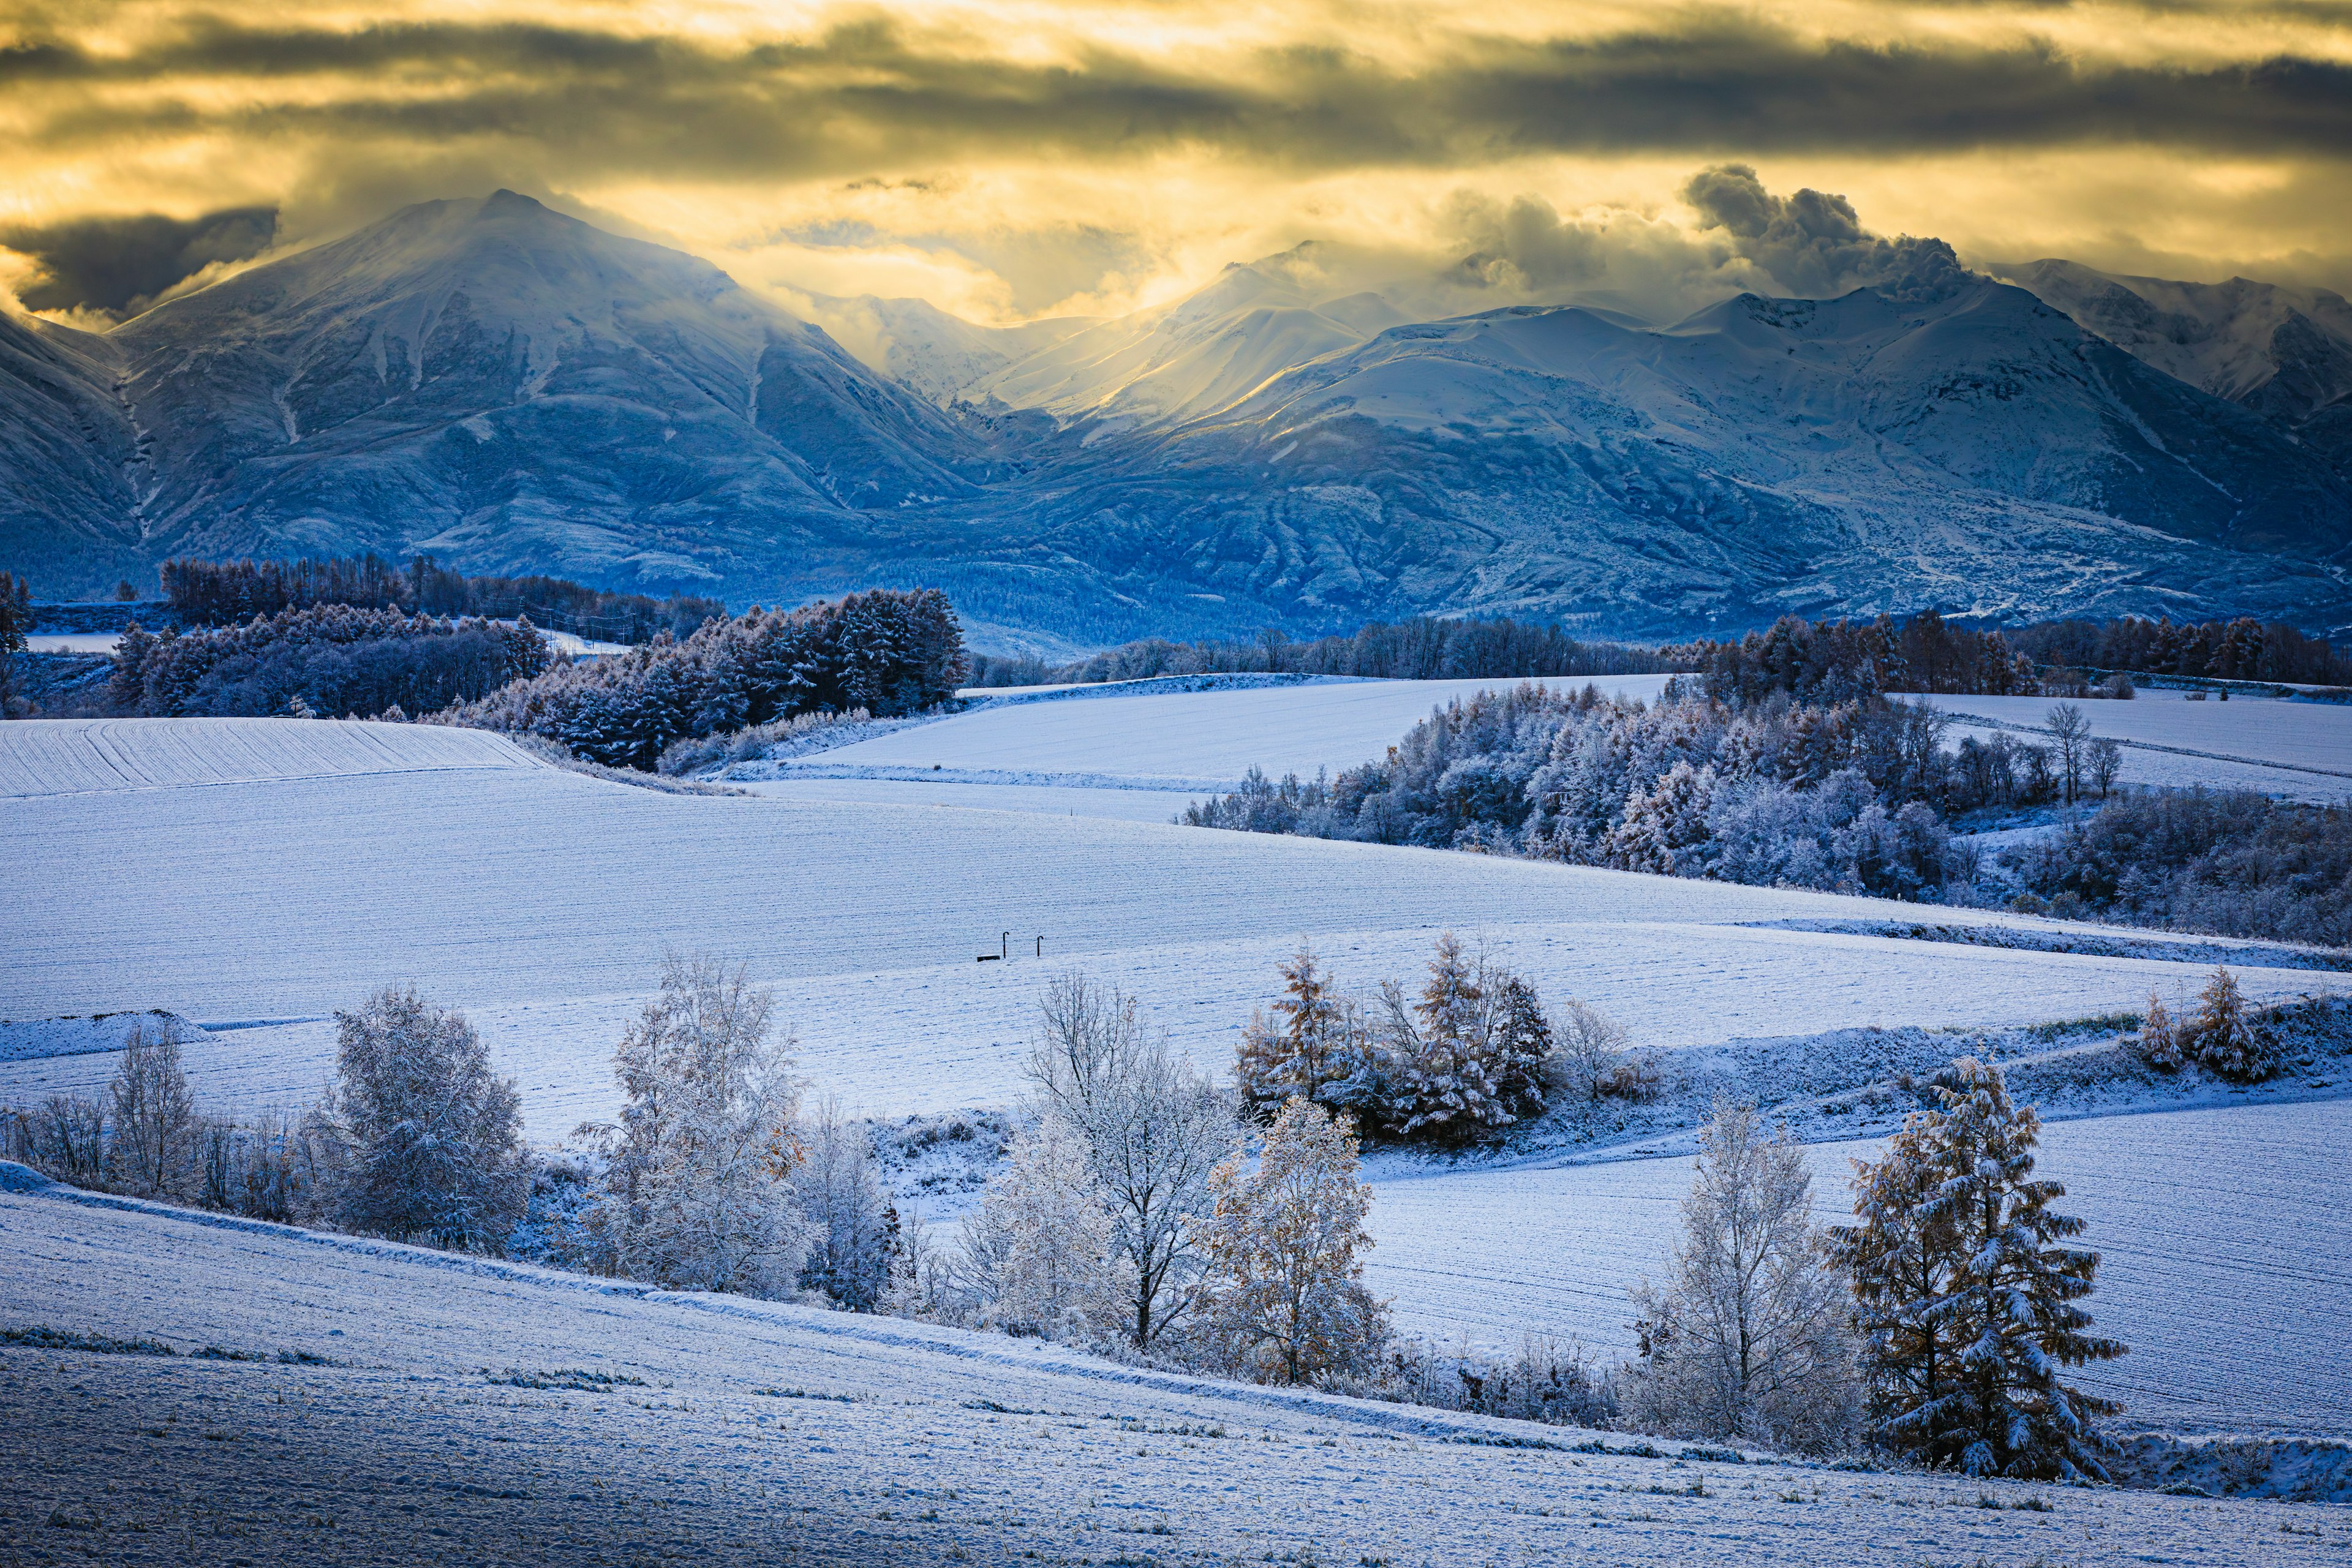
{"x": 1975, "y": 453}
{"x": 513, "y": 389}
{"x": 2283, "y": 353}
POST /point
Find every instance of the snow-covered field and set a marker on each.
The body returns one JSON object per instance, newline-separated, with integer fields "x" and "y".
{"x": 540, "y": 900}
{"x": 2231, "y": 1280}
{"x": 456, "y": 1412}
{"x": 261, "y": 873}
{"x": 2301, "y": 750}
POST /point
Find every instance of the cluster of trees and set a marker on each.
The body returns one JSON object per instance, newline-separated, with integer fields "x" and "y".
{"x": 327, "y": 660}
{"x": 2231, "y": 862}
{"x": 889, "y": 652}
{"x": 1421, "y": 648}
{"x": 2241, "y": 649}
{"x": 1476, "y": 1050}
{"x": 1829, "y": 662}
{"x": 1774, "y": 792}
{"x": 1936, "y": 1328}
{"x": 224, "y": 593}
{"x": 2221, "y": 1037}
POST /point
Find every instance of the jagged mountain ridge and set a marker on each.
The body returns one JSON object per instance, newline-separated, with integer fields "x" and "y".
{"x": 2283, "y": 353}
{"x": 512, "y": 389}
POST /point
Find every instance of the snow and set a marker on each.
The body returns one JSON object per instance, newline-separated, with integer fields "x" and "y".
{"x": 71, "y": 642}
{"x": 52, "y": 757}
{"x": 962, "y": 791}
{"x": 29, "y": 1040}
{"x": 2232, "y": 1287}
{"x": 2287, "y": 734}
{"x": 1188, "y": 740}
{"x": 793, "y": 1433}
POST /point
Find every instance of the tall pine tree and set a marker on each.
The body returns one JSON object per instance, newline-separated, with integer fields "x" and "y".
{"x": 1968, "y": 1297}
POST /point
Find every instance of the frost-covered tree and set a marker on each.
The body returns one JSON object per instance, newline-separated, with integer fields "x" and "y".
{"x": 1967, "y": 1298}
{"x": 2160, "y": 1038}
{"x": 1039, "y": 1252}
{"x": 2224, "y": 1040}
{"x": 1524, "y": 1042}
{"x": 1446, "y": 1068}
{"x": 423, "y": 1138}
{"x": 1289, "y": 1055}
{"x": 1286, "y": 1301}
{"x": 154, "y": 1115}
{"x": 853, "y": 1228}
{"x": 1153, "y": 1129}
{"x": 1588, "y": 1047}
{"x": 1747, "y": 1336}
{"x": 699, "y": 1191}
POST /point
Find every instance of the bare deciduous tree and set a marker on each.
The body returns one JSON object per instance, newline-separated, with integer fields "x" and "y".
{"x": 154, "y": 1116}
{"x": 1748, "y": 1337}
{"x": 1154, "y": 1128}
{"x": 2071, "y": 732}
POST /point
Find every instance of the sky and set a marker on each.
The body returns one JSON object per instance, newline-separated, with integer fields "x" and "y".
{"x": 1024, "y": 159}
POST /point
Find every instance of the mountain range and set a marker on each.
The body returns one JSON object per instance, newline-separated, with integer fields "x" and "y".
{"x": 512, "y": 390}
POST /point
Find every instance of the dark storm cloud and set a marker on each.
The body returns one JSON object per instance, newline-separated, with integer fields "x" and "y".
{"x": 862, "y": 96}
{"x": 120, "y": 264}
{"x": 1813, "y": 242}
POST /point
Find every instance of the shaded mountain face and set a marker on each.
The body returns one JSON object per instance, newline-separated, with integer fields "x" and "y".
{"x": 510, "y": 389}
{"x": 2283, "y": 353}
{"x": 513, "y": 390}
{"x": 1978, "y": 454}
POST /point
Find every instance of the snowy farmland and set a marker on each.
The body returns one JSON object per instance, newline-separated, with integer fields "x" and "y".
{"x": 2300, "y": 751}
{"x": 395, "y": 1406}
{"x": 2231, "y": 1283}
{"x": 255, "y": 875}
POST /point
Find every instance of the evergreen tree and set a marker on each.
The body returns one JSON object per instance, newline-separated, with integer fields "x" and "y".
{"x": 1287, "y": 1299}
{"x": 2225, "y": 1041}
{"x": 1448, "y": 1068}
{"x": 1525, "y": 1044}
{"x": 1314, "y": 1046}
{"x": 1968, "y": 1300}
{"x": 2160, "y": 1038}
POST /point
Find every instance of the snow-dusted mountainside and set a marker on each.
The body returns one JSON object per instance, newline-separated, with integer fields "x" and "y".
{"x": 499, "y": 383}
{"x": 924, "y": 348}
{"x": 1195, "y": 358}
{"x": 2285, "y": 353}
{"x": 1973, "y": 450}
{"x": 512, "y": 389}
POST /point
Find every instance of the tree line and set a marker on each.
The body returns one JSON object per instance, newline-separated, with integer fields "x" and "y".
{"x": 1422, "y": 649}
{"x": 889, "y": 652}
{"x": 328, "y": 659}
{"x": 226, "y": 593}
{"x": 1140, "y": 1214}
{"x": 2240, "y": 649}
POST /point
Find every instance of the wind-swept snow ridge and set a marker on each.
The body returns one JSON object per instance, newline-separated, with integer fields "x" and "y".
{"x": 84, "y": 756}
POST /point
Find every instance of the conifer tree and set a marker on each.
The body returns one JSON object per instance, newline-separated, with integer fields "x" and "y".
{"x": 2160, "y": 1038}
{"x": 1276, "y": 1060}
{"x": 1968, "y": 1300}
{"x": 1449, "y": 1070}
{"x": 1526, "y": 1046}
{"x": 425, "y": 1139}
{"x": 1287, "y": 1301}
{"x": 2226, "y": 1042}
